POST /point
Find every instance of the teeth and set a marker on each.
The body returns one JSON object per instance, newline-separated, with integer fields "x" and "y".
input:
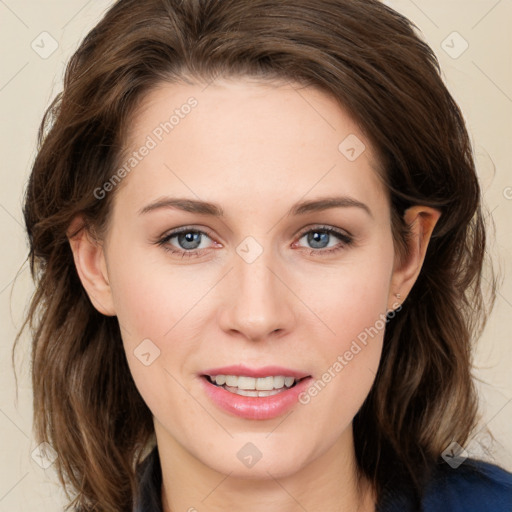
{"x": 279, "y": 381}
{"x": 243, "y": 383}
{"x": 220, "y": 380}
{"x": 231, "y": 380}
{"x": 288, "y": 381}
{"x": 245, "y": 392}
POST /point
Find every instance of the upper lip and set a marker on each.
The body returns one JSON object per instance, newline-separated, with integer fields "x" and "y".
{"x": 264, "y": 371}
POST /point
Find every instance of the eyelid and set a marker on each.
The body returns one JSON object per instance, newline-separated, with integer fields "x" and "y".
{"x": 185, "y": 229}
{"x": 201, "y": 229}
{"x": 324, "y": 227}
{"x": 344, "y": 236}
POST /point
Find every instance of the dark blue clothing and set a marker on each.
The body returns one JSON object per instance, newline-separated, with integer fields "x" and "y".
{"x": 475, "y": 486}
{"x": 150, "y": 483}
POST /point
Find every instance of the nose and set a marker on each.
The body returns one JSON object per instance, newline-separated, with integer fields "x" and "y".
{"x": 257, "y": 300}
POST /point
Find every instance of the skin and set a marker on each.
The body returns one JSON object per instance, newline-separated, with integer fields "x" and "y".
{"x": 256, "y": 149}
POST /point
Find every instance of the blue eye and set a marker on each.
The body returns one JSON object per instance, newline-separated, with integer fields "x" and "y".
{"x": 320, "y": 237}
{"x": 188, "y": 241}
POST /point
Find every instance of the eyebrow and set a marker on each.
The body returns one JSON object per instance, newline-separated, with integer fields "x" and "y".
{"x": 301, "y": 208}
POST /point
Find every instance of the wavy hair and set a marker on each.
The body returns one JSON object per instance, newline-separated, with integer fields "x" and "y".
{"x": 373, "y": 62}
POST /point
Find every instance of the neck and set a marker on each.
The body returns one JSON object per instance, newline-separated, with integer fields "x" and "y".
{"x": 330, "y": 482}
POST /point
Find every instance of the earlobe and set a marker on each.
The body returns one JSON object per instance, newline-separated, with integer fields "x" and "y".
{"x": 421, "y": 221}
{"x": 89, "y": 258}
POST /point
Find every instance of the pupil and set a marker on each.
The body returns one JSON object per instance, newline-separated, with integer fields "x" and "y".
{"x": 189, "y": 238}
{"x": 317, "y": 237}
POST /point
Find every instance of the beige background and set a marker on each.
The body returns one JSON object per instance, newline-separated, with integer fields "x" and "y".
{"x": 480, "y": 79}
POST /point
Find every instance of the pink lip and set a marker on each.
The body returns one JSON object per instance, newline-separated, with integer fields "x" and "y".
{"x": 251, "y": 407}
{"x": 264, "y": 371}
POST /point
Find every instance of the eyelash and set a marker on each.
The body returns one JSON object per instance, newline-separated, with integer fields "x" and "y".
{"x": 346, "y": 240}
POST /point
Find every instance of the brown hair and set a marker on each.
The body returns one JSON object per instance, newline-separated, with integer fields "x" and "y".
{"x": 367, "y": 57}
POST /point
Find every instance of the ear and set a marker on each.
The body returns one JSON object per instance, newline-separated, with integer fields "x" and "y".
{"x": 89, "y": 257}
{"x": 421, "y": 221}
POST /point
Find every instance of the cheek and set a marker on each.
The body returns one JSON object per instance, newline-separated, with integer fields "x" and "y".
{"x": 150, "y": 298}
{"x": 352, "y": 298}
{"x": 156, "y": 306}
{"x": 352, "y": 304}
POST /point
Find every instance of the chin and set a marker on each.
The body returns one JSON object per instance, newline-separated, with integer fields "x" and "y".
{"x": 259, "y": 459}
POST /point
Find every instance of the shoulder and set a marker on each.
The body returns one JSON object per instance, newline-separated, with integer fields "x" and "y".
{"x": 474, "y": 486}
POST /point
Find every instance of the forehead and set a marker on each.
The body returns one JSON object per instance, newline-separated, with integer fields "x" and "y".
{"x": 237, "y": 140}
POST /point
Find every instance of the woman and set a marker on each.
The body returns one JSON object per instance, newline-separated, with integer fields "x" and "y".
{"x": 257, "y": 239}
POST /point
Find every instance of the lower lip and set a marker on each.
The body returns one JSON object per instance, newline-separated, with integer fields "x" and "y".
{"x": 252, "y": 407}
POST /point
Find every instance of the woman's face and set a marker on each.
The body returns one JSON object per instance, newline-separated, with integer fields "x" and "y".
{"x": 277, "y": 285}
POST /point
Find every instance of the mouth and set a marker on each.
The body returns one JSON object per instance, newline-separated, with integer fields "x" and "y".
{"x": 254, "y": 394}
{"x": 254, "y": 386}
